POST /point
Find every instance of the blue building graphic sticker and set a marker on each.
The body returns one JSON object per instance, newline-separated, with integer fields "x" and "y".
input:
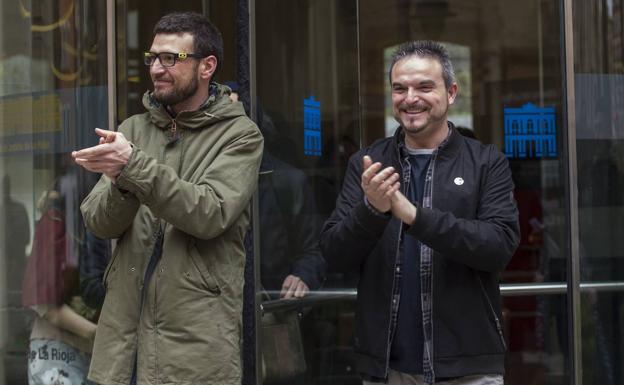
{"x": 312, "y": 144}
{"x": 530, "y": 132}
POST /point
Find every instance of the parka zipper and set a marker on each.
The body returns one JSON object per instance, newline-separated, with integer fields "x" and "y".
{"x": 153, "y": 261}
{"x": 147, "y": 275}
{"x": 174, "y": 131}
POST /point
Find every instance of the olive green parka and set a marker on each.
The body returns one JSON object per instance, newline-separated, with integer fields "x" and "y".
{"x": 192, "y": 177}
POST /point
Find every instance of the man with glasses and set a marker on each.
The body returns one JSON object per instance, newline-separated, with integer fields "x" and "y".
{"x": 175, "y": 191}
{"x": 428, "y": 219}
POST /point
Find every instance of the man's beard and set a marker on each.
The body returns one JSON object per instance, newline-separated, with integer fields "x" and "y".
{"x": 431, "y": 121}
{"x": 177, "y": 94}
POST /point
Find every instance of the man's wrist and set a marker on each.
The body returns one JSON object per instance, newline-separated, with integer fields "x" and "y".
{"x": 374, "y": 210}
{"x": 410, "y": 218}
{"x": 128, "y": 153}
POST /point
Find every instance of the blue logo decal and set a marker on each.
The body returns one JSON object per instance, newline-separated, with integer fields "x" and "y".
{"x": 312, "y": 144}
{"x": 530, "y": 132}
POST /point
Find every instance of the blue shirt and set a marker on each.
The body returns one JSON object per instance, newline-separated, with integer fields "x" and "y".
{"x": 406, "y": 354}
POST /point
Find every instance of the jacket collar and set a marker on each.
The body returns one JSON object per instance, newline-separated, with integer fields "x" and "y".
{"x": 448, "y": 147}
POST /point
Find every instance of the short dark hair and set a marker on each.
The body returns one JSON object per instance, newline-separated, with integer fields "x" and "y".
{"x": 207, "y": 39}
{"x": 428, "y": 49}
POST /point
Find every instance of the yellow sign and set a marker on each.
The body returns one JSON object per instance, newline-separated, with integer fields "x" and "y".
{"x": 30, "y": 114}
{"x": 40, "y": 145}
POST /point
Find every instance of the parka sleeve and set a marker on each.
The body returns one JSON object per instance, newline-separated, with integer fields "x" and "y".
{"x": 353, "y": 230}
{"x": 485, "y": 243}
{"x": 107, "y": 211}
{"x": 208, "y": 207}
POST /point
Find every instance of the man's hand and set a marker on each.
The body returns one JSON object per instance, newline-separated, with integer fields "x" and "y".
{"x": 379, "y": 186}
{"x": 109, "y": 157}
{"x": 402, "y": 208}
{"x": 294, "y": 287}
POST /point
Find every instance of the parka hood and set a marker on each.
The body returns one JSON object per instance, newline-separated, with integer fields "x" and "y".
{"x": 217, "y": 107}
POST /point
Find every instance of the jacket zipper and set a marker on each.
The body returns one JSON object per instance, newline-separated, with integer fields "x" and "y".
{"x": 499, "y": 328}
{"x": 405, "y": 180}
{"x": 434, "y": 157}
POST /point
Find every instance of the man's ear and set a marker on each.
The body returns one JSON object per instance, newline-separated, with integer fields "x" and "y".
{"x": 452, "y": 93}
{"x": 207, "y": 67}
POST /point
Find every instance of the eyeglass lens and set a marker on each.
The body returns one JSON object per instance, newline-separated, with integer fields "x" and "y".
{"x": 166, "y": 59}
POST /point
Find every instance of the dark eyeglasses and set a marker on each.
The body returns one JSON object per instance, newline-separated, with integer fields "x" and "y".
{"x": 167, "y": 59}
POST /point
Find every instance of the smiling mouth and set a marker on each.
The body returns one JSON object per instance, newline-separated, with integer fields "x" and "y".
{"x": 414, "y": 112}
{"x": 414, "y": 109}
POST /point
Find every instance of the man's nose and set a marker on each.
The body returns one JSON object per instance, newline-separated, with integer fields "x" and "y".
{"x": 157, "y": 67}
{"x": 412, "y": 95}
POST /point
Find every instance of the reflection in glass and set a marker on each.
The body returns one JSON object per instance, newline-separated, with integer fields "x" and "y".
{"x": 289, "y": 232}
{"x": 536, "y": 331}
{"x": 307, "y": 98}
{"x": 602, "y": 317}
{"x": 63, "y": 329}
{"x": 53, "y": 93}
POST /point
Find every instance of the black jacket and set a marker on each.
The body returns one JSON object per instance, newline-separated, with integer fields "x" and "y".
{"x": 289, "y": 231}
{"x": 473, "y": 230}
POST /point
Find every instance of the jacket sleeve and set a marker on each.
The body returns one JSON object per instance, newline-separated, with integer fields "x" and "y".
{"x": 208, "y": 207}
{"x": 353, "y": 230}
{"x": 485, "y": 243}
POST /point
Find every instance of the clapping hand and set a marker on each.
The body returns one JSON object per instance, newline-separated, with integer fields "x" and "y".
{"x": 109, "y": 157}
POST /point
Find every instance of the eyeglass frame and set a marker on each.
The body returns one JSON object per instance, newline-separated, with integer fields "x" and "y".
{"x": 177, "y": 56}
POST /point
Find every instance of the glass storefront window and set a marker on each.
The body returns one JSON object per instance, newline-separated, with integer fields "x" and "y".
{"x": 321, "y": 71}
{"x": 53, "y": 93}
{"x": 599, "y": 89}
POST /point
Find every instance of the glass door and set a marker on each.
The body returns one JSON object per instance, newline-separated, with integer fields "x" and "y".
{"x": 323, "y": 92}
{"x": 307, "y": 71}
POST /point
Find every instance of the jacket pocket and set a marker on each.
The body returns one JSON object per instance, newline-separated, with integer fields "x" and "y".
{"x": 496, "y": 319}
{"x": 207, "y": 278}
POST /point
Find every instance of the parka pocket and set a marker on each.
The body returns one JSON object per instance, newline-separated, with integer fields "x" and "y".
{"x": 207, "y": 278}
{"x": 111, "y": 268}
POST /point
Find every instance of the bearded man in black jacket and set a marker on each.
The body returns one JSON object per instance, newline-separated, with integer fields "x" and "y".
{"x": 429, "y": 220}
